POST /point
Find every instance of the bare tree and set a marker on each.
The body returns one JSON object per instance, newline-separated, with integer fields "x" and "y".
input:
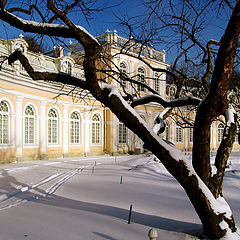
{"x": 202, "y": 185}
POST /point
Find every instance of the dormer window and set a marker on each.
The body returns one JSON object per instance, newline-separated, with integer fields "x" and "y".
{"x": 171, "y": 91}
{"x": 67, "y": 67}
{"x": 20, "y": 44}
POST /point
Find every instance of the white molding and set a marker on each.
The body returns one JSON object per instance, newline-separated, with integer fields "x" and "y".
{"x": 43, "y": 128}
{"x": 19, "y": 127}
{"x": 87, "y": 131}
{"x": 65, "y": 128}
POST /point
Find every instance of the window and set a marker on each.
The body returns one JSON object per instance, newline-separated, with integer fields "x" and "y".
{"x": 141, "y": 78}
{"x": 220, "y": 132}
{"x": 157, "y": 82}
{"x": 96, "y": 129}
{"x": 29, "y": 126}
{"x": 170, "y": 91}
{"x": 190, "y": 134}
{"x": 122, "y": 133}
{"x": 52, "y": 127}
{"x": 167, "y": 131}
{"x": 179, "y": 134}
{"x": 4, "y": 123}
{"x": 123, "y": 71}
{"x": 75, "y": 125}
{"x": 67, "y": 67}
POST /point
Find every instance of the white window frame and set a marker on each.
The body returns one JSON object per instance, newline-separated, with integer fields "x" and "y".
{"x": 122, "y": 134}
{"x": 4, "y": 127}
{"x": 50, "y": 143}
{"x": 34, "y": 117}
{"x": 157, "y": 82}
{"x": 220, "y": 130}
{"x": 74, "y": 121}
{"x": 167, "y": 132}
{"x": 94, "y": 125}
{"x": 67, "y": 67}
{"x": 190, "y": 135}
{"x": 141, "y": 75}
{"x": 179, "y": 134}
{"x": 123, "y": 70}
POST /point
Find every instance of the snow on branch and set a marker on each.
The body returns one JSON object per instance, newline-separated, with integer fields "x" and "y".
{"x": 230, "y": 115}
{"x": 49, "y": 29}
{"x": 180, "y": 102}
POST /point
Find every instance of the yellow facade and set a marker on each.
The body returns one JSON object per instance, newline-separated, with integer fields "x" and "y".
{"x": 41, "y": 120}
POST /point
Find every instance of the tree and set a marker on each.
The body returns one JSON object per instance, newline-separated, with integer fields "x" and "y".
{"x": 202, "y": 185}
{"x": 34, "y": 46}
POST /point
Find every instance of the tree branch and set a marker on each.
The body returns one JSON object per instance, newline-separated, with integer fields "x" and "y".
{"x": 174, "y": 103}
{"x": 47, "y": 76}
{"x": 80, "y": 33}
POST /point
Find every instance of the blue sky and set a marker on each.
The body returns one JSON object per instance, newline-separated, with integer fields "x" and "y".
{"x": 108, "y": 19}
{"x": 100, "y": 22}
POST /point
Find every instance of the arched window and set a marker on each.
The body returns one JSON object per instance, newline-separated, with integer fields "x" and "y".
{"x": 52, "y": 127}
{"x": 122, "y": 133}
{"x": 141, "y": 78}
{"x": 179, "y": 134}
{"x": 123, "y": 71}
{"x": 75, "y": 128}
{"x": 96, "y": 129}
{"x": 157, "y": 82}
{"x": 67, "y": 67}
{"x": 4, "y": 123}
{"x": 190, "y": 134}
{"x": 220, "y": 132}
{"x": 29, "y": 125}
{"x": 167, "y": 131}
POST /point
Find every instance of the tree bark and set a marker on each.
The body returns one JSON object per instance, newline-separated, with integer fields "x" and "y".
{"x": 200, "y": 196}
{"x": 215, "y": 103}
{"x": 215, "y": 221}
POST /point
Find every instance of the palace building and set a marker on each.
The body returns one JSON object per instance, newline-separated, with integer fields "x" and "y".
{"x": 42, "y": 120}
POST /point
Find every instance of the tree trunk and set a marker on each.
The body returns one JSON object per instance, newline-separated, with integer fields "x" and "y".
{"x": 215, "y": 220}
{"x": 223, "y": 153}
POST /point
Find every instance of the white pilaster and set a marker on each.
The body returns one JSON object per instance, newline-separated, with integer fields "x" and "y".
{"x": 65, "y": 128}
{"x": 173, "y": 127}
{"x": 87, "y": 127}
{"x": 115, "y": 127}
{"x": 43, "y": 134}
{"x": 19, "y": 124}
{"x": 186, "y": 137}
{"x": 214, "y": 135}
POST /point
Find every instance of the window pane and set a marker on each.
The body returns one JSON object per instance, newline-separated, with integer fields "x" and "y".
{"x": 52, "y": 127}
{"x": 141, "y": 78}
{"x": 167, "y": 132}
{"x": 74, "y": 128}
{"x": 96, "y": 134}
{"x": 4, "y": 123}
{"x": 190, "y": 134}
{"x": 123, "y": 70}
{"x": 157, "y": 82}
{"x": 179, "y": 135}
{"x": 122, "y": 134}
{"x": 29, "y": 126}
{"x": 220, "y": 132}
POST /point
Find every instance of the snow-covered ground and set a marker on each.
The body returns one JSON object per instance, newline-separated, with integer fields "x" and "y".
{"x": 90, "y": 198}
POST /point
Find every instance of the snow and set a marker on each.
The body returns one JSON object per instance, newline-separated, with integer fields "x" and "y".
{"x": 173, "y": 151}
{"x": 52, "y": 25}
{"x": 64, "y": 199}
{"x": 214, "y": 170}
{"x": 230, "y": 113}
